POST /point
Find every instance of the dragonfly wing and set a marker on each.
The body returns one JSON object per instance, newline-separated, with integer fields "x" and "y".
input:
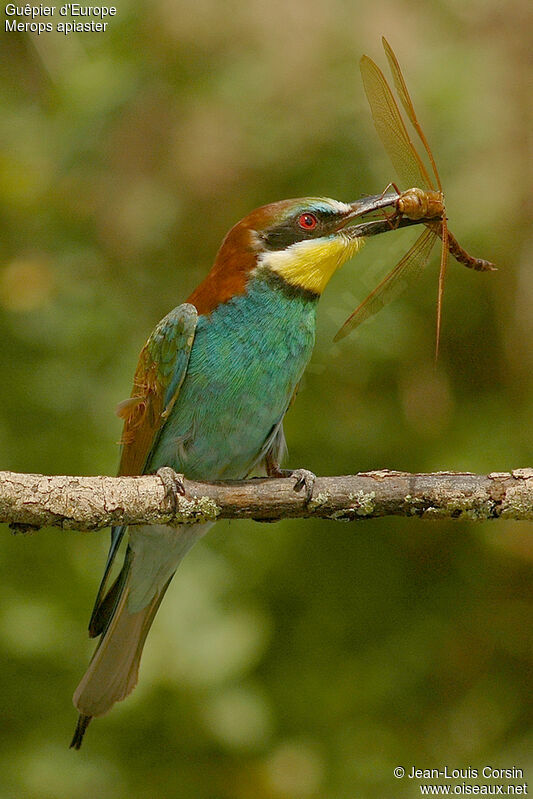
{"x": 407, "y": 103}
{"x": 393, "y": 283}
{"x": 391, "y": 128}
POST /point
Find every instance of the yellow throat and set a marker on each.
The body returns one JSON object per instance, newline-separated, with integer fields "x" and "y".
{"x": 311, "y": 264}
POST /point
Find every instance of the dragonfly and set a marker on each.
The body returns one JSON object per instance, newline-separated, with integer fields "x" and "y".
{"x": 414, "y": 204}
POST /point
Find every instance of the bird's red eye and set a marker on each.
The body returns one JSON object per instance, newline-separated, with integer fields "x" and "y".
{"x": 308, "y": 221}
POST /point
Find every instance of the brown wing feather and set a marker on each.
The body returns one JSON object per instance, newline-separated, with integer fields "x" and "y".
{"x": 159, "y": 376}
{"x": 142, "y": 416}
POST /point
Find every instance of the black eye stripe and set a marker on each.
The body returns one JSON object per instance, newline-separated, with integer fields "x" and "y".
{"x": 282, "y": 236}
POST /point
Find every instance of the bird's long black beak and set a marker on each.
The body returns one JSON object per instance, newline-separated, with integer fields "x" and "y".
{"x": 376, "y": 202}
{"x": 356, "y": 225}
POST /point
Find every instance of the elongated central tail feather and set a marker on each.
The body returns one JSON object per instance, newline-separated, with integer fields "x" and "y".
{"x": 147, "y": 572}
{"x": 112, "y": 673}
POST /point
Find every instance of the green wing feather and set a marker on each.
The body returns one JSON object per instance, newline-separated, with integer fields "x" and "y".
{"x": 158, "y": 379}
{"x": 159, "y": 376}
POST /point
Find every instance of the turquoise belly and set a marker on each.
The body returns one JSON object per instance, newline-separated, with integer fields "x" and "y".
{"x": 246, "y": 361}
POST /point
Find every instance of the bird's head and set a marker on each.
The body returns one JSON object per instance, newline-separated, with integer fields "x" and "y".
{"x": 303, "y": 241}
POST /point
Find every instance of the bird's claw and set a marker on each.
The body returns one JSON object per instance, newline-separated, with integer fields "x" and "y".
{"x": 304, "y": 479}
{"x": 173, "y": 484}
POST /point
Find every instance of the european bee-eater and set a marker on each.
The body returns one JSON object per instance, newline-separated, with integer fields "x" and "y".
{"x": 212, "y": 386}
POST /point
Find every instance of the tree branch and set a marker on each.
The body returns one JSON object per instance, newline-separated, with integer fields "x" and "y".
{"x": 30, "y": 501}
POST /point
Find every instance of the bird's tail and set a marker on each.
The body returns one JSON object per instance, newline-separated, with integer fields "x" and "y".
{"x": 136, "y": 596}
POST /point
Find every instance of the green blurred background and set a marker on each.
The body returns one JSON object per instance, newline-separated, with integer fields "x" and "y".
{"x": 301, "y": 660}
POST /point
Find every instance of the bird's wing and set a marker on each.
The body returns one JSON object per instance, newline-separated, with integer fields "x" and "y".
{"x": 159, "y": 376}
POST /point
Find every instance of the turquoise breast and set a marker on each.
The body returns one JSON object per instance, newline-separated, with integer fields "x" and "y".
{"x": 246, "y": 361}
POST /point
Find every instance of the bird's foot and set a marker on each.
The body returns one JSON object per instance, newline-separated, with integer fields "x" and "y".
{"x": 303, "y": 479}
{"x": 173, "y": 483}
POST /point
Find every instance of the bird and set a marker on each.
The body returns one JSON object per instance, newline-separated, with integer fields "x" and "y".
{"x": 211, "y": 389}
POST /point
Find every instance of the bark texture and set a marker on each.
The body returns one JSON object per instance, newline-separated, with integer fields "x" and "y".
{"x": 31, "y": 501}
